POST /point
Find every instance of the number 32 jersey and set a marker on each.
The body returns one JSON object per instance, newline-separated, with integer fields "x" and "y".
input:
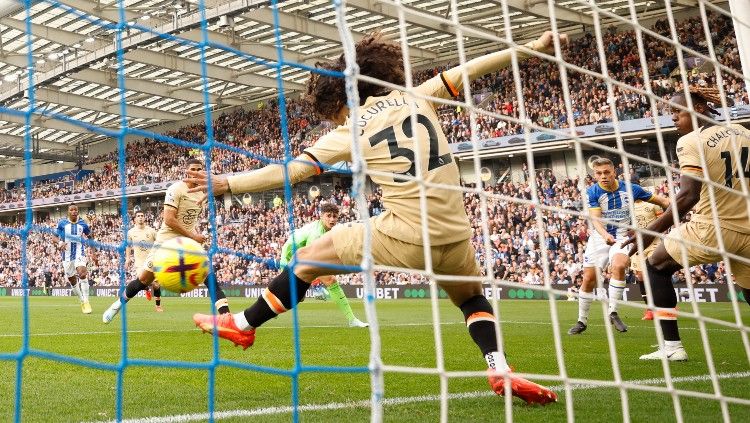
{"x": 391, "y": 144}
{"x": 726, "y": 151}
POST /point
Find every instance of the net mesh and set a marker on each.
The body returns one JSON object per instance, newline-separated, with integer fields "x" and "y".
{"x": 593, "y": 72}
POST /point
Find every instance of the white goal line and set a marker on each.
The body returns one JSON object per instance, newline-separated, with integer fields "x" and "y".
{"x": 276, "y": 410}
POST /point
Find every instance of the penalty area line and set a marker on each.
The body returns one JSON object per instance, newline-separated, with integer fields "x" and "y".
{"x": 276, "y": 410}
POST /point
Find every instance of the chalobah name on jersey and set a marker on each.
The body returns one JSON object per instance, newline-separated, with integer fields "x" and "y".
{"x": 714, "y": 139}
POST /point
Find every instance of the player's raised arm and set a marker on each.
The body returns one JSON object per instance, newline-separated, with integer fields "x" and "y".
{"x": 448, "y": 84}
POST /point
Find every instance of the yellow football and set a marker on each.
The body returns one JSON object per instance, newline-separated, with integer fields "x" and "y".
{"x": 180, "y": 264}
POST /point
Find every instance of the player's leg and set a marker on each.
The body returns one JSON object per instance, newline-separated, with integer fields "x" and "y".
{"x": 72, "y": 277}
{"x": 283, "y": 293}
{"x": 71, "y": 274}
{"x": 338, "y": 296}
{"x": 73, "y": 281}
{"x": 648, "y": 314}
{"x": 585, "y": 297}
{"x": 157, "y": 295}
{"x": 459, "y": 259}
{"x": 479, "y": 318}
{"x": 594, "y": 257}
{"x": 83, "y": 286}
{"x": 618, "y": 264}
{"x": 740, "y": 269}
{"x": 221, "y": 304}
{"x": 660, "y": 267}
{"x": 141, "y": 283}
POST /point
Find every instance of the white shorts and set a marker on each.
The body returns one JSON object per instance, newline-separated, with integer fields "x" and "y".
{"x": 70, "y": 266}
{"x": 599, "y": 254}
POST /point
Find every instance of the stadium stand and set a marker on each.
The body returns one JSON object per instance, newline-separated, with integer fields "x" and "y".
{"x": 260, "y": 229}
{"x": 250, "y": 129}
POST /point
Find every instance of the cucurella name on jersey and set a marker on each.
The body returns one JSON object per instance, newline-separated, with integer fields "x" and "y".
{"x": 615, "y": 206}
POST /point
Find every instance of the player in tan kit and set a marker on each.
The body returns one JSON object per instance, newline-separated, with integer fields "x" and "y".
{"x": 141, "y": 237}
{"x": 182, "y": 209}
{"x": 721, "y": 154}
{"x": 645, "y": 213}
{"x": 388, "y": 140}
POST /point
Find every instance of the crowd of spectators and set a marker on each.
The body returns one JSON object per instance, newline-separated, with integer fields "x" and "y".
{"x": 258, "y": 131}
{"x": 516, "y": 230}
{"x": 542, "y": 90}
{"x": 257, "y": 231}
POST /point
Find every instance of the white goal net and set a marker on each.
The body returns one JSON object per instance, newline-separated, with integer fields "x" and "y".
{"x": 524, "y": 136}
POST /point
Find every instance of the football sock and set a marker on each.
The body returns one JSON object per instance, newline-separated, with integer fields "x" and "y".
{"x": 616, "y": 289}
{"x": 642, "y": 287}
{"x": 276, "y": 299}
{"x": 83, "y": 286}
{"x": 76, "y": 290}
{"x": 584, "y": 304}
{"x": 481, "y": 324}
{"x": 221, "y": 304}
{"x": 664, "y": 297}
{"x": 746, "y": 294}
{"x": 337, "y": 294}
{"x": 157, "y": 296}
{"x": 132, "y": 289}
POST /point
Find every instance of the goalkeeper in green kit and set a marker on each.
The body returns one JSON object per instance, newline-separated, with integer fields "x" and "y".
{"x": 329, "y": 216}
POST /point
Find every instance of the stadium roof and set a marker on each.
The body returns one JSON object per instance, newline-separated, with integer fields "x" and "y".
{"x": 75, "y": 63}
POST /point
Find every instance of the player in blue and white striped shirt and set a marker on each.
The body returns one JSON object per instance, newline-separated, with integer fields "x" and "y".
{"x": 608, "y": 200}
{"x": 71, "y": 231}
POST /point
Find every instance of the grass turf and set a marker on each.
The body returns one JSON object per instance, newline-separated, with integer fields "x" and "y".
{"x": 57, "y": 391}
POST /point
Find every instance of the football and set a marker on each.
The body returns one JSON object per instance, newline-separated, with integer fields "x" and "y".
{"x": 180, "y": 264}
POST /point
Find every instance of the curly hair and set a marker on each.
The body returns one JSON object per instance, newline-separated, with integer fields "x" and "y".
{"x": 707, "y": 95}
{"x": 376, "y": 58}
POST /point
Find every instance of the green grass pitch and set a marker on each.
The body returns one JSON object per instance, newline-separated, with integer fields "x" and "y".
{"x": 53, "y": 391}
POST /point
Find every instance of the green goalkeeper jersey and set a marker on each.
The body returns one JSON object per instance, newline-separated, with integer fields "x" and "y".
{"x": 302, "y": 237}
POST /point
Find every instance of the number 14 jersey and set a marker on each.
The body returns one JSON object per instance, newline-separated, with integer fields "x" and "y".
{"x": 726, "y": 151}
{"x": 391, "y": 144}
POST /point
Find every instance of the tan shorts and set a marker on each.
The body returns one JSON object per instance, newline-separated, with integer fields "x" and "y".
{"x": 148, "y": 264}
{"x": 456, "y": 259}
{"x": 705, "y": 234}
{"x": 637, "y": 262}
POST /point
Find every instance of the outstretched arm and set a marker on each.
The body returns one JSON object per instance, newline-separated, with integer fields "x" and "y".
{"x": 449, "y": 83}
{"x": 330, "y": 149}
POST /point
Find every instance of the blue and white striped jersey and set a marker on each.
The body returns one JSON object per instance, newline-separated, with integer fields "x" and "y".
{"x": 69, "y": 232}
{"x": 615, "y": 205}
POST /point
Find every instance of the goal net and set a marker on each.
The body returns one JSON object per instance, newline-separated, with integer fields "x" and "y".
{"x": 524, "y": 139}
